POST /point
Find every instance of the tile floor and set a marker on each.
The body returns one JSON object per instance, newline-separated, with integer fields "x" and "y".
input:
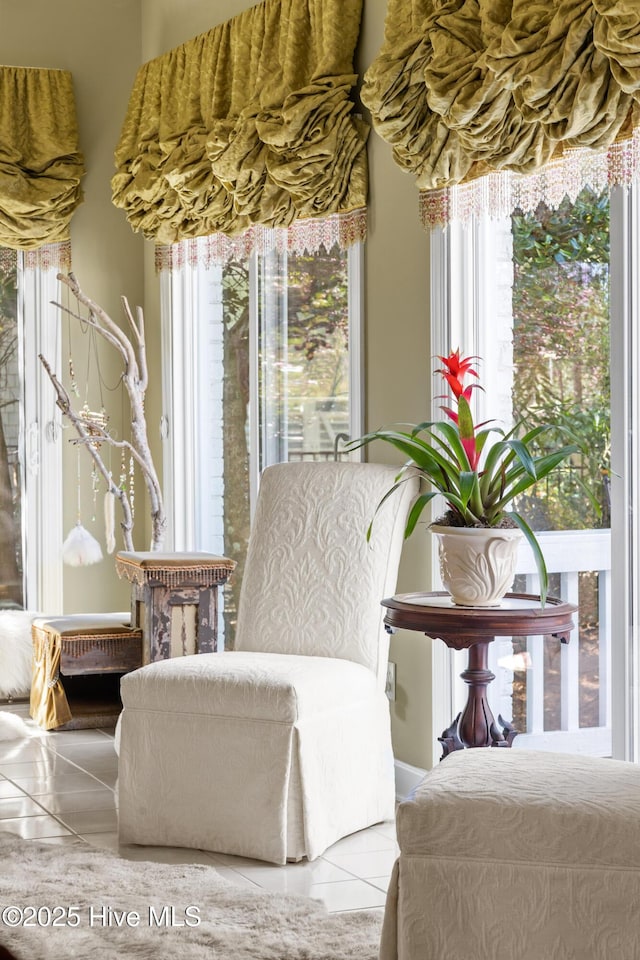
{"x": 59, "y": 788}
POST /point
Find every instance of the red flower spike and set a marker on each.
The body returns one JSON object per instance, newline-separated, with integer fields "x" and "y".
{"x": 458, "y": 366}
{"x": 455, "y": 369}
{"x": 469, "y": 444}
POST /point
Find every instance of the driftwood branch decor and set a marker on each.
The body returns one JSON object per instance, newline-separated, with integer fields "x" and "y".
{"x": 92, "y": 433}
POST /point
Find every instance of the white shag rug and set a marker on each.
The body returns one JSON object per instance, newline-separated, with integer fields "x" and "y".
{"x": 39, "y": 882}
{"x": 13, "y": 727}
{"x": 16, "y": 652}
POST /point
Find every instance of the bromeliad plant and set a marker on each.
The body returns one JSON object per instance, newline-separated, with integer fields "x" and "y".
{"x": 479, "y": 480}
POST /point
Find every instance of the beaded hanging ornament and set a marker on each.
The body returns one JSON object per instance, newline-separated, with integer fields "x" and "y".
{"x": 80, "y": 547}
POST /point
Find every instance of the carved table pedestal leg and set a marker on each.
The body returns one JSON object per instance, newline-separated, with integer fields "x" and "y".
{"x": 476, "y": 725}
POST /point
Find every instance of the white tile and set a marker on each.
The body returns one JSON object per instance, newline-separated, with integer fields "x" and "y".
{"x": 33, "y": 828}
{"x": 91, "y": 751}
{"x": 387, "y": 829}
{"x": 9, "y": 789}
{"x": 18, "y": 807}
{"x": 48, "y": 766}
{"x": 244, "y": 865}
{"x": 348, "y": 895}
{"x": 381, "y": 882}
{"x": 369, "y": 863}
{"x": 90, "y": 821}
{"x": 106, "y": 777}
{"x": 234, "y": 877}
{"x": 19, "y": 751}
{"x": 105, "y": 841}
{"x": 58, "y": 803}
{"x": 57, "y": 738}
{"x": 363, "y": 841}
{"x": 60, "y": 783}
{"x": 99, "y": 768}
{"x": 69, "y": 839}
{"x": 291, "y": 878}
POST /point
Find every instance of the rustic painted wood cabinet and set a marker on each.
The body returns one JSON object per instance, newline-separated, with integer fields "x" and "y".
{"x": 174, "y": 600}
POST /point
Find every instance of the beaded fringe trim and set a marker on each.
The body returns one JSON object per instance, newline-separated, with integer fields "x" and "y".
{"x": 302, "y": 237}
{"x": 80, "y": 646}
{"x": 51, "y": 256}
{"x": 175, "y": 577}
{"x": 498, "y": 195}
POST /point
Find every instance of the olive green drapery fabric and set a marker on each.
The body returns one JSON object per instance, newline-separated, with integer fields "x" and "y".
{"x": 40, "y": 162}
{"x": 250, "y": 123}
{"x": 463, "y": 88}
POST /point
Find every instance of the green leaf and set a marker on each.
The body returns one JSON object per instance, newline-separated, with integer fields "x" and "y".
{"x": 465, "y": 420}
{"x": 452, "y": 443}
{"x": 543, "y": 465}
{"x": 537, "y": 554}
{"x": 388, "y": 494}
{"x": 416, "y": 511}
{"x": 468, "y": 482}
{"x": 523, "y": 455}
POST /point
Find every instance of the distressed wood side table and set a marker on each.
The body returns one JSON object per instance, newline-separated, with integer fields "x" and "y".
{"x": 474, "y": 628}
{"x": 162, "y": 582}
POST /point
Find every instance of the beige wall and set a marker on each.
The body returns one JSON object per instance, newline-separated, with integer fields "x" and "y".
{"x": 103, "y": 43}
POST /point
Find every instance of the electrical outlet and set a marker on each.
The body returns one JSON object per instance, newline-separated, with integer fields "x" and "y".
{"x": 390, "y": 685}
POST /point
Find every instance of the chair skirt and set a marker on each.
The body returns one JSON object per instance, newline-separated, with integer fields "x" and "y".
{"x": 268, "y": 756}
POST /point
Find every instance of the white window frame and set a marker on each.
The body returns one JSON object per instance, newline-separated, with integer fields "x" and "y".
{"x": 40, "y": 440}
{"x": 625, "y": 468}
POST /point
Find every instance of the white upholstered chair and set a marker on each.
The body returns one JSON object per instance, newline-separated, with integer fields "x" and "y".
{"x": 282, "y": 746}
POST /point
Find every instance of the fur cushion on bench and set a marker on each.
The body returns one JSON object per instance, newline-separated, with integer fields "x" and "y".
{"x": 16, "y": 652}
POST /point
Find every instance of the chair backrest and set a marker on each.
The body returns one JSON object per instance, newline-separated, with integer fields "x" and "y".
{"x": 312, "y": 584}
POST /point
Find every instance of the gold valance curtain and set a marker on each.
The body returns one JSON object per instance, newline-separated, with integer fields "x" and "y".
{"x": 462, "y": 89}
{"x": 249, "y": 124}
{"x": 40, "y": 162}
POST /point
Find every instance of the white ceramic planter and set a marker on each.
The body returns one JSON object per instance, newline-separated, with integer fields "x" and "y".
{"x": 477, "y": 564}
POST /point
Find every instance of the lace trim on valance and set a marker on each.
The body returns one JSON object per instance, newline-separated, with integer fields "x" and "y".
{"x": 498, "y": 195}
{"x": 50, "y": 256}
{"x": 303, "y": 236}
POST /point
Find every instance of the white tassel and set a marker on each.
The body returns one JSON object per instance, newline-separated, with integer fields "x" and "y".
{"x": 80, "y": 549}
{"x": 109, "y": 521}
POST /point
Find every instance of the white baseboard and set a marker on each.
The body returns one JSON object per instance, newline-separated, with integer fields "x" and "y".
{"x": 407, "y": 778}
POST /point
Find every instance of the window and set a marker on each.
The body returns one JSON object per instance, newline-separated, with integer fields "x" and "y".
{"x": 261, "y": 365}
{"x": 30, "y": 444}
{"x": 550, "y": 302}
{"x": 11, "y": 458}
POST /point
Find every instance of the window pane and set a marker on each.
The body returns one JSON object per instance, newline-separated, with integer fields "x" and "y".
{"x": 11, "y": 587}
{"x": 561, "y": 352}
{"x": 318, "y": 389}
{"x": 304, "y": 356}
{"x": 300, "y": 394}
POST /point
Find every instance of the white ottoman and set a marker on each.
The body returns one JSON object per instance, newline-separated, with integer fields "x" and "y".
{"x": 509, "y": 854}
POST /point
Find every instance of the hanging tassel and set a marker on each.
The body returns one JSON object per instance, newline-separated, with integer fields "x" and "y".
{"x": 109, "y": 521}
{"x": 80, "y": 549}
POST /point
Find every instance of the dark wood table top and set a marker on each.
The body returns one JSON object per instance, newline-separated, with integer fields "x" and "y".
{"x": 519, "y": 615}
